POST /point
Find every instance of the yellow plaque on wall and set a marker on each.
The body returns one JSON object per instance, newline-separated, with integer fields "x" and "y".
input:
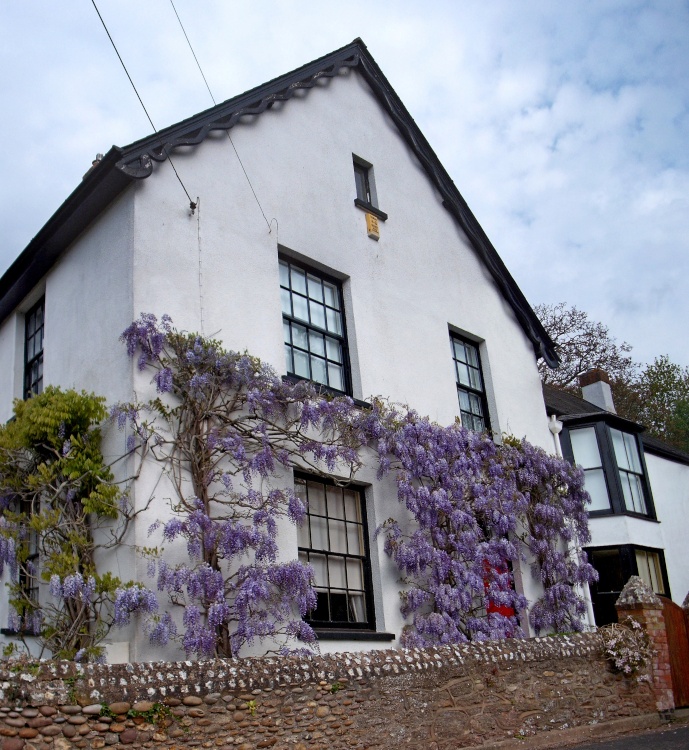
{"x": 372, "y": 227}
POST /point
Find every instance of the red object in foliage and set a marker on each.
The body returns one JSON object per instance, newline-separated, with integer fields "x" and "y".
{"x": 500, "y": 609}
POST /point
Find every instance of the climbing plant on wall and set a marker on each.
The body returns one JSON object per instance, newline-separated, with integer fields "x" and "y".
{"x": 60, "y": 509}
{"x": 227, "y": 431}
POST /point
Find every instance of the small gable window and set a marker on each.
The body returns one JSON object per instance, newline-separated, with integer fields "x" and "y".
{"x": 365, "y": 183}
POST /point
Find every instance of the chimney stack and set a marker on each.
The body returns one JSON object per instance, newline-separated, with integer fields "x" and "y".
{"x": 595, "y": 387}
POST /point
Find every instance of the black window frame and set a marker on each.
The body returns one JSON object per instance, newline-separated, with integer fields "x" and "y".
{"x": 343, "y": 627}
{"x": 611, "y": 470}
{"x": 365, "y": 185}
{"x": 291, "y": 320}
{"x": 33, "y": 363}
{"x": 604, "y": 601}
{"x": 468, "y": 389}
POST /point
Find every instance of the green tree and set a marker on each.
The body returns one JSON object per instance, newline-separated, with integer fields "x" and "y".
{"x": 56, "y": 494}
{"x": 659, "y": 399}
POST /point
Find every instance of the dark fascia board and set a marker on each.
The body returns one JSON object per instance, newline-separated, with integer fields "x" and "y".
{"x": 121, "y": 166}
{"x": 658, "y": 448}
{"x": 614, "y": 420}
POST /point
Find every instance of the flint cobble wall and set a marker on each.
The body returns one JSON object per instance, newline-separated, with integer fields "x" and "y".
{"x": 436, "y": 699}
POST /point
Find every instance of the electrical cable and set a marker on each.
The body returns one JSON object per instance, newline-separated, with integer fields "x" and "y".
{"x": 198, "y": 65}
{"x": 192, "y": 205}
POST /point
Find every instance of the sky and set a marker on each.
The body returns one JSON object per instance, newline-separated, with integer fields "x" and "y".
{"x": 565, "y": 125}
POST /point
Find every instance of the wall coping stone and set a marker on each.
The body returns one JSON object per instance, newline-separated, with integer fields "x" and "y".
{"x": 637, "y": 594}
{"x": 55, "y": 682}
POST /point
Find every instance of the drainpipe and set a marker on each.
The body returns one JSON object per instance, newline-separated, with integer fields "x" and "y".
{"x": 555, "y": 427}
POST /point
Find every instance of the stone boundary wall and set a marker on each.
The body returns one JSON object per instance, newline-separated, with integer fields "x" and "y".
{"x": 450, "y": 697}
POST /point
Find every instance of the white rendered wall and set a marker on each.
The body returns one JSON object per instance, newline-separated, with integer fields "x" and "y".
{"x": 87, "y": 305}
{"x": 670, "y": 487}
{"x": 218, "y": 269}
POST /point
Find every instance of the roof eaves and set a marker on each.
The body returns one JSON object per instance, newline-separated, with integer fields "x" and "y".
{"x": 135, "y": 161}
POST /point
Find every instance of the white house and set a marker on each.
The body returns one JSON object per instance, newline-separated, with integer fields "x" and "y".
{"x": 417, "y": 304}
{"x": 639, "y": 488}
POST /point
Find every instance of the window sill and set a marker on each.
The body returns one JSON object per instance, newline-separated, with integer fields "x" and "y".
{"x": 352, "y": 635}
{"x": 628, "y": 513}
{"x": 325, "y": 390}
{"x": 371, "y": 209}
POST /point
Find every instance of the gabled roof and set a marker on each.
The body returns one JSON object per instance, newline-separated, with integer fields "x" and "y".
{"x": 121, "y": 166}
{"x": 573, "y": 409}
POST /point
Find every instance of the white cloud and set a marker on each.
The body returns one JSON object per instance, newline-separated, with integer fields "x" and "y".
{"x": 563, "y": 124}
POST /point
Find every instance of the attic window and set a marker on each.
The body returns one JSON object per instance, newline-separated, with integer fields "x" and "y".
{"x": 366, "y": 197}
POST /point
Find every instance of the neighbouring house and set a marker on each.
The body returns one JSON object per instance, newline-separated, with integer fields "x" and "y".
{"x": 362, "y": 269}
{"x": 639, "y": 488}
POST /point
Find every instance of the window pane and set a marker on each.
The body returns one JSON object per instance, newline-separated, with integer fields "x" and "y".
{"x": 585, "y": 447}
{"x": 298, "y": 280}
{"x": 477, "y": 424}
{"x": 357, "y": 608}
{"x": 334, "y": 349}
{"x": 334, "y": 321}
{"x": 472, "y": 355}
{"x": 299, "y": 336}
{"x": 464, "y": 400}
{"x": 633, "y": 453}
{"x": 475, "y": 402}
{"x": 301, "y": 364}
{"x": 332, "y": 298}
{"x": 317, "y": 344}
{"x": 317, "y": 498}
{"x": 289, "y": 367}
{"x": 335, "y": 377}
{"x": 351, "y": 501}
{"x": 338, "y": 536}
{"x": 633, "y": 492}
{"x": 475, "y": 379}
{"x": 317, "y": 562}
{"x": 336, "y": 568}
{"x": 354, "y": 541}
{"x": 319, "y": 533}
{"x": 303, "y": 539}
{"x": 317, "y": 314}
{"x": 301, "y": 310}
{"x": 285, "y": 331}
{"x": 284, "y": 274}
{"x": 285, "y": 301}
{"x": 355, "y": 575}
{"x": 460, "y": 352}
{"x": 463, "y": 374}
{"x": 335, "y": 502}
{"x": 318, "y": 371}
{"x": 595, "y": 485}
{"x": 620, "y": 449}
{"x": 315, "y": 288}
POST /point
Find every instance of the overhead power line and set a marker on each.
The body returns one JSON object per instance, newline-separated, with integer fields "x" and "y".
{"x": 192, "y": 205}
{"x": 198, "y": 65}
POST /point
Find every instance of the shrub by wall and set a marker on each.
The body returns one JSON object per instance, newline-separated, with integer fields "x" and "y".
{"x": 451, "y": 697}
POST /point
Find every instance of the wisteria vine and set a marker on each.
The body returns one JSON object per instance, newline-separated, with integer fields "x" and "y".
{"x": 226, "y": 432}
{"x": 227, "y": 428}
